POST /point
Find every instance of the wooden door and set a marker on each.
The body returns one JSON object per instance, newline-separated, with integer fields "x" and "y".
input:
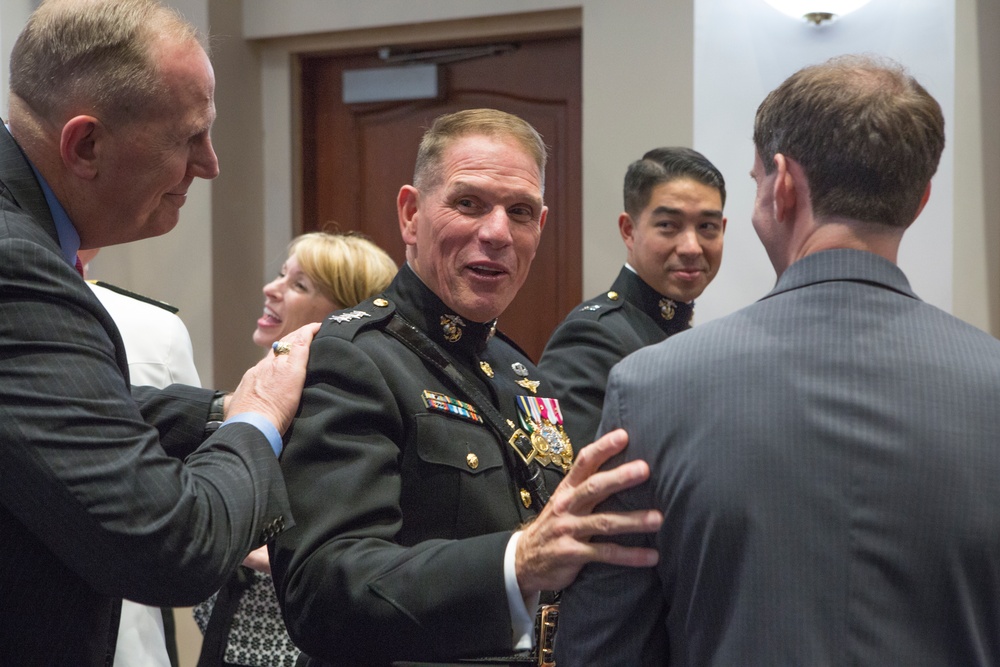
{"x": 356, "y": 157}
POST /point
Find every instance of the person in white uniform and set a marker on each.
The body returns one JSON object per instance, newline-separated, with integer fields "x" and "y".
{"x": 160, "y": 353}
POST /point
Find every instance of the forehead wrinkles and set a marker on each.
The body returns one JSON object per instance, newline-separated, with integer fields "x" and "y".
{"x": 484, "y": 163}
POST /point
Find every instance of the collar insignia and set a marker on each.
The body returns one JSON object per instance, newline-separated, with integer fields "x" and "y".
{"x": 347, "y": 317}
{"x": 667, "y": 308}
{"x": 451, "y": 326}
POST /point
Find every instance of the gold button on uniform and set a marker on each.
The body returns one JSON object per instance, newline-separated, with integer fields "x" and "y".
{"x": 381, "y": 303}
{"x": 613, "y": 296}
{"x": 526, "y": 498}
{"x": 472, "y": 460}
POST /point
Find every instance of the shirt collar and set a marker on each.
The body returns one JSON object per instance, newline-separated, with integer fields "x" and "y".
{"x": 69, "y": 238}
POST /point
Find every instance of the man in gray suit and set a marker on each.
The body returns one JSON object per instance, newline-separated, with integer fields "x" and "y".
{"x": 828, "y": 459}
{"x": 111, "y": 107}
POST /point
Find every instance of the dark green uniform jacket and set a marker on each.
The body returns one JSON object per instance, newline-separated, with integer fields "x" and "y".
{"x": 407, "y": 497}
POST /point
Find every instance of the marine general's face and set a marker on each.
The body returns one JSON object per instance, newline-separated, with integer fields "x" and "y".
{"x": 675, "y": 244}
{"x": 472, "y": 236}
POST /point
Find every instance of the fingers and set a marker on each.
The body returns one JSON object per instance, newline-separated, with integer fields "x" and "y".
{"x": 602, "y": 485}
{"x": 274, "y": 386}
{"x": 619, "y": 523}
{"x": 594, "y": 455}
{"x": 586, "y": 485}
{"x": 296, "y": 343}
{"x": 615, "y": 554}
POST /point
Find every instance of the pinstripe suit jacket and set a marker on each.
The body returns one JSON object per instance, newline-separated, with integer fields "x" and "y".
{"x": 92, "y": 509}
{"x": 828, "y": 464}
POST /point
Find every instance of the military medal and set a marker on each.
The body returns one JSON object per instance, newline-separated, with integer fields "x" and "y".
{"x": 667, "y": 308}
{"x": 434, "y": 400}
{"x": 542, "y": 420}
{"x": 519, "y": 369}
{"x": 451, "y": 327}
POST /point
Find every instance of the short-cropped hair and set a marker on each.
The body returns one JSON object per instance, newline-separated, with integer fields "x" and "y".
{"x": 94, "y": 53}
{"x": 662, "y": 165}
{"x": 447, "y": 128}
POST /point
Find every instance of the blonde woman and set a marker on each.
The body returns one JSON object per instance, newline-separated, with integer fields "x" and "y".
{"x": 323, "y": 272}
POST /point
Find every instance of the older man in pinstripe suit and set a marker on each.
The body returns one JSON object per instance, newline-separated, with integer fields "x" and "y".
{"x": 111, "y": 106}
{"x": 828, "y": 459}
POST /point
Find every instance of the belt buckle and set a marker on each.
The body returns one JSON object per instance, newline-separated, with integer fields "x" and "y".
{"x": 521, "y": 435}
{"x": 546, "y": 624}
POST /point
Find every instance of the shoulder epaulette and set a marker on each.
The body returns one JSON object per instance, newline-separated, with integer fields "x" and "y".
{"x": 598, "y": 306}
{"x": 138, "y": 297}
{"x": 349, "y": 322}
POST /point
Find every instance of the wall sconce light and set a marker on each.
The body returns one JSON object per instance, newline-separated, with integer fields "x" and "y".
{"x": 816, "y": 11}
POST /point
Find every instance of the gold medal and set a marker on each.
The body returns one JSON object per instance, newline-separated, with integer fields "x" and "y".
{"x": 542, "y": 419}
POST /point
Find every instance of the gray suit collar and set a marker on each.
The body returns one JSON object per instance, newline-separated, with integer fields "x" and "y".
{"x": 840, "y": 265}
{"x": 18, "y": 183}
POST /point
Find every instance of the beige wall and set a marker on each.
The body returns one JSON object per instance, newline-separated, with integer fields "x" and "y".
{"x": 233, "y": 232}
{"x": 977, "y": 164}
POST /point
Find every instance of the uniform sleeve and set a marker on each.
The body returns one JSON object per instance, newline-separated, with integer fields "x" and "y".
{"x": 577, "y": 361}
{"x": 83, "y": 471}
{"x": 351, "y": 593}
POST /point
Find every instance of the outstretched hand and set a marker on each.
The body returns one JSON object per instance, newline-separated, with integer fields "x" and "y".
{"x": 273, "y": 387}
{"x": 556, "y": 545}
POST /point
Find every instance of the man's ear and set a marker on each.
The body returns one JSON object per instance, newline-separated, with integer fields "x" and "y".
{"x": 626, "y": 227}
{"x": 406, "y": 208}
{"x": 923, "y": 200}
{"x": 787, "y": 184}
{"x": 78, "y": 146}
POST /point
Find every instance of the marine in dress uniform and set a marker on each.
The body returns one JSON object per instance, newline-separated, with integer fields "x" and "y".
{"x": 672, "y": 227}
{"x": 597, "y": 335}
{"x": 405, "y": 497}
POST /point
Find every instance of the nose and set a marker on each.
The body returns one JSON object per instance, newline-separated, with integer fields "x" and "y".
{"x": 689, "y": 244}
{"x": 272, "y": 290}
{"x": 203, "y": 162}
{"x": 494, "y": 228}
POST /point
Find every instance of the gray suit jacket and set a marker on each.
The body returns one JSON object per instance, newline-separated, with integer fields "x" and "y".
{"x": 92, "y": 509}
{"x": 828, "y": 464}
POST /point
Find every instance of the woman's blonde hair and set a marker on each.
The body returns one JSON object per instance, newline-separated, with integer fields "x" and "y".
{"x": 346, "y": 268}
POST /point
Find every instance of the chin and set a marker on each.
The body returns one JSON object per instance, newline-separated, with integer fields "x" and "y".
{"x": 261, "y": 340}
